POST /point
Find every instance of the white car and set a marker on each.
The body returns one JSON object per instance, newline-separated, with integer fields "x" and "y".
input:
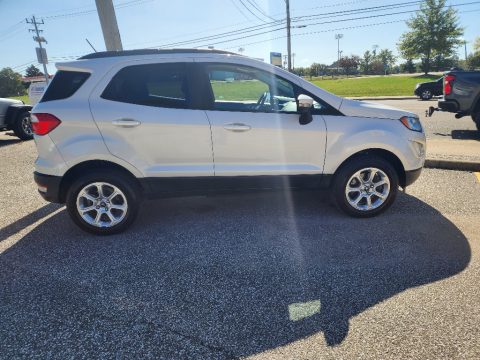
{"x": 114, "y": 128}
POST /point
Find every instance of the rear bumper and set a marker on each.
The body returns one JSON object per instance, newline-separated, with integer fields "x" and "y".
{"x": 448, "y": 105}
{"x": 411, "y": 176}
{"x": 48, "y": 187}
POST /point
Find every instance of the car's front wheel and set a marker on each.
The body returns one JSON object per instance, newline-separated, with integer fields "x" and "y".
{"x": 104, "y": 203}
{"x": 365, "y": 186}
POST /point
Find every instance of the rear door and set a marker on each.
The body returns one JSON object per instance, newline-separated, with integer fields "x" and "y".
{"x": 147, "y": 117}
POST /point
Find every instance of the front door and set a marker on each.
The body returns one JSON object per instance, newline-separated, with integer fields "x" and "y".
{"x": 255, "y": 125}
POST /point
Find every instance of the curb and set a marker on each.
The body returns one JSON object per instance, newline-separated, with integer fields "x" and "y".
{"x": 384, "y": 98}
{"x": 460, "y": 165}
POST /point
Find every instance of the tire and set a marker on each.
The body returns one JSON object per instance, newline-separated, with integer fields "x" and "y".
{"x": 476, "y": 120}
{"x": 108, "y": 215}
{"x": 23, "y": 127}
{"x": 426, "y": 94}
{"x": 351, "y": 174}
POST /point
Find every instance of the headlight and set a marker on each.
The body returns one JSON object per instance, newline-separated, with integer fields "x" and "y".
{"x": 412, "y": 123}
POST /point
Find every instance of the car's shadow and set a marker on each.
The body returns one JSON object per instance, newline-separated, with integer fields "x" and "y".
{"x": 217, "y": 277}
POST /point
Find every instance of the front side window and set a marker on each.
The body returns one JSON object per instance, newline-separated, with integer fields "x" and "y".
{"x": 159, "y": 85}
{"x": 242, "y": 88}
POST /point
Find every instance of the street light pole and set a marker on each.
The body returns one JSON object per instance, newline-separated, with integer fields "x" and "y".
{"x": 289, "y": 40}
{"x": 338, "y": 37}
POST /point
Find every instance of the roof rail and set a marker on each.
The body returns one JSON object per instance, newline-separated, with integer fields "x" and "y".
{"x": 105, "y": 54}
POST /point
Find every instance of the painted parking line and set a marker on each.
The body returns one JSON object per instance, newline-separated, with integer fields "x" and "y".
{"x": 477, "y": 174}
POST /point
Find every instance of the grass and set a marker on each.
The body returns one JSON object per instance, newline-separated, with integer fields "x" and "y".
{"x": 239, "y": 90}
{"x": 24, "y": 98}
{"x": 373, "y": 86}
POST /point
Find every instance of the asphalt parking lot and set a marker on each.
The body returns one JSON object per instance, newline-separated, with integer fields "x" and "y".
{"x": 266, "y": 276}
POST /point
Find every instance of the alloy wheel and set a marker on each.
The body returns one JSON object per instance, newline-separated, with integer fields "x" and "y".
{"x": 101, "y": 204}
{"x": 367, "y": 189}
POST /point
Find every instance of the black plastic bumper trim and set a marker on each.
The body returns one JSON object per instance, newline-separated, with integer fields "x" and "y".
{"x": 52, "y": 183}
{"x": 412, "y": 176}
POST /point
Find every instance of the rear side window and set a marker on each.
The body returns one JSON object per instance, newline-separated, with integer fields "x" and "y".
{"x": 64, "y": 85}
{"x": 160, "y": 85}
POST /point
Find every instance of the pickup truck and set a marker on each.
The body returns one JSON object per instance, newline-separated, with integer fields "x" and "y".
{"x": 461, "y": 95}
{"x": 15, "y": 115}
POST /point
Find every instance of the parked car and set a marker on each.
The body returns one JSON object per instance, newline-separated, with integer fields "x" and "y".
{"x": 427, "y": 90}
{"x": 461, "y": 95}
{"x": 15, "y": 115}
{"x": 114, "y": 128}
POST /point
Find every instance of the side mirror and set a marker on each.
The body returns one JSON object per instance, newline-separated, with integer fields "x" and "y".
{"x": 305, "y": 104}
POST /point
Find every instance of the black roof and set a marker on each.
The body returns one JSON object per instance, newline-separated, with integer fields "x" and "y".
{"x": 105, "y": 54}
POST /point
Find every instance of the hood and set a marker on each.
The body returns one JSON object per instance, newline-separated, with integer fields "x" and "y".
{"x": 370, "y": 109}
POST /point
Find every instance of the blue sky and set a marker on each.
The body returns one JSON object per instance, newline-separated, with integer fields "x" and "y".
{"x": 150, "y": 23}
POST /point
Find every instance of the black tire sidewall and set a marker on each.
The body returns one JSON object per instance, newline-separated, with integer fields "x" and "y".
{"x": 18, "y": 128}
{"x": 476, "y": 120}
{"x": 121, "y": 181}
{"x": 350, "y": 168}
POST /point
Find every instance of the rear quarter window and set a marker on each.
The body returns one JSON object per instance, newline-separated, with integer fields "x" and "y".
{"x": 64, "y": 85}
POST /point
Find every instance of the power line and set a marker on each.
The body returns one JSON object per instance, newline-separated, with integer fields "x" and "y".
{"x": 259, "y": 9}
{"x": 272, "y": 25}
{"x": 332, "y": 30}
{"x": 240, "y": 10}
{"x": 250, "y": 11}
{"x": 259, "y": 27}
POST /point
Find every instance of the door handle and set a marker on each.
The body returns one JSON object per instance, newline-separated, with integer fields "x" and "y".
{"x": 126, "y": 122}
{"x": 237, "y": 127}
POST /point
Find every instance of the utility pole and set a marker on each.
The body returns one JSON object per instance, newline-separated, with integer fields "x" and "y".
{"x": 289, "y": 38}
{"x": 293, "y": 61}
{"x": 42, "y": 52}
{"x": 108, "y": 21}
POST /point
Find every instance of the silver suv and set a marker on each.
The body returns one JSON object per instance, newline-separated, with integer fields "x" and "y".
{"x": 114, "y": 128}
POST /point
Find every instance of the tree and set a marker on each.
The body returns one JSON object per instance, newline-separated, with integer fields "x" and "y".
{"x": 33, "y": 71}
{"x": 387, "y": 59}
{"x": 434, "y": 31}
{"x": 366, "y": 62}
{"x": 476, "y": 44}
{"x": 408, "y": 66}
{"x": 10, "y": 83}
{"x": 349, "y": 63}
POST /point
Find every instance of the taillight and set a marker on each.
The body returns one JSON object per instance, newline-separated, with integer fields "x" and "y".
{"x": 42, "y": 124}
{"x": 448, "y": 84}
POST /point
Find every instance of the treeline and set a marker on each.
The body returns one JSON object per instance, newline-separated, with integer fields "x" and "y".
{"x": 384, "y": 62}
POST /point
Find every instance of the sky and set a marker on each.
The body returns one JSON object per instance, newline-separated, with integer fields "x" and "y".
{"x": 160, "y": 23}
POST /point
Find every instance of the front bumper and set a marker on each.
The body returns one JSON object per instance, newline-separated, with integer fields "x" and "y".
{"x": 49, "y": 187}
{"x": 411, "y": 176}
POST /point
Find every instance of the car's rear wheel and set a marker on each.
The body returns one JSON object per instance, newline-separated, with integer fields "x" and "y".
{"x": 103, "y": 203}
{"x": 365, "y": 186}
{"x": 426, "y": 94}
{"x": 23, "y": 126}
